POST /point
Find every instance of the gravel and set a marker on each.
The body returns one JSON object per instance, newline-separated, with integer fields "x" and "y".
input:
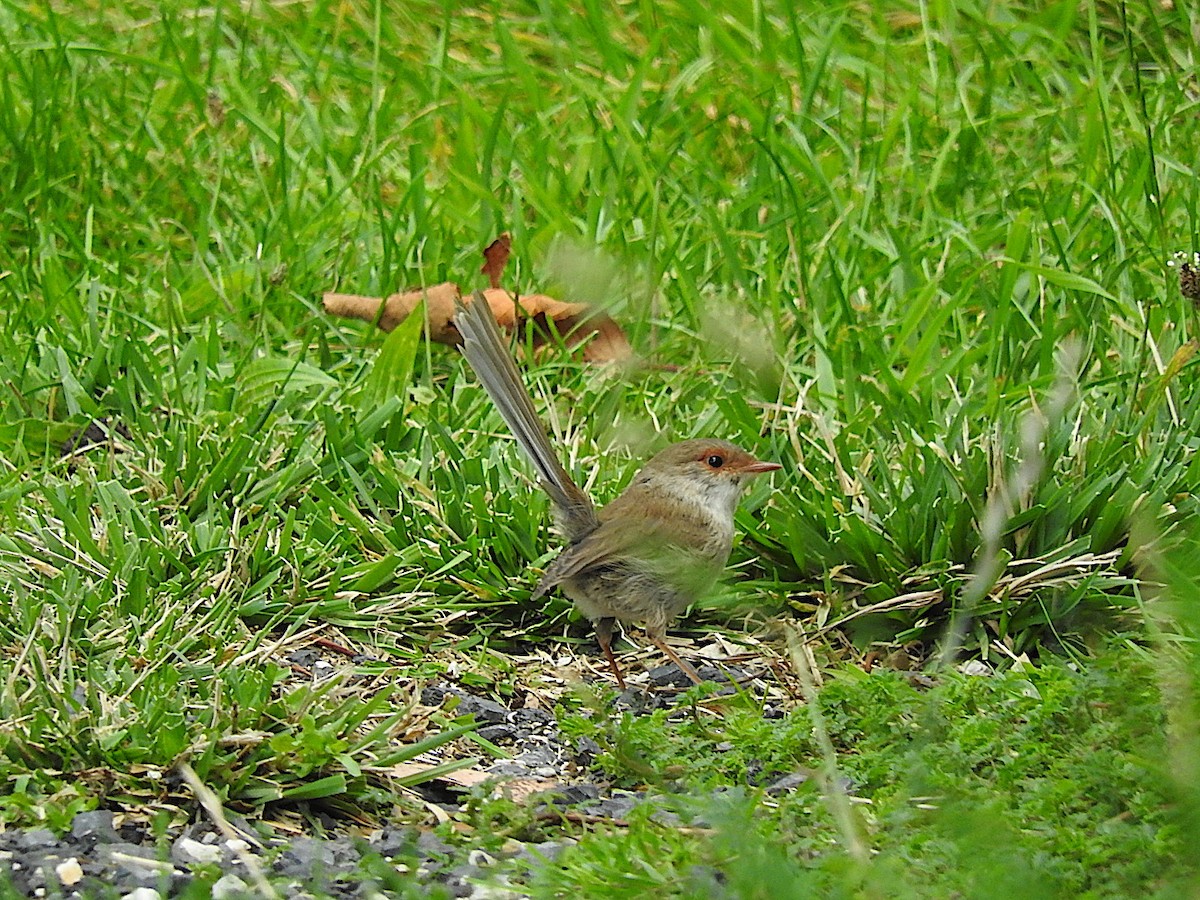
{"x": 100, "y": 857}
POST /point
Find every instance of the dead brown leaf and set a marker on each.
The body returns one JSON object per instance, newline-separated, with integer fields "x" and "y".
{"x": 545, "y": 316}
{"x": 495, "y": 258}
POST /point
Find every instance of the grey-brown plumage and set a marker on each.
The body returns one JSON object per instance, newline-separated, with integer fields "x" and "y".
{"x": 655, "y": 549}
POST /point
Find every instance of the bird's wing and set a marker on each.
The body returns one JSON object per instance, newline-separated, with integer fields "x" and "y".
{"x": 647, "y": 543}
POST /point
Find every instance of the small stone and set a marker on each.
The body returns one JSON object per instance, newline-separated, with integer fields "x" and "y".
{"x": 228, "y": 886}
{"x": 323, "y": 669}
{"x": 586, "y": 751}
{"x": 142, "y": 893}
{"x": 304, "y": 658}
{"x": 480, "y": 858}
{"x": 434, "y": 694}
{"x": 532, "y": 716}
{"x": 668, "y": 675}
{"x": 618, "y": 806}
{"x": 670, "y": 819}
{"x": 787, "y": 783}
{"x": 460, "y": 879}
{"x": 431, "y": 845}
{"x": 96, "y": 824}
{"x": 484, "y": 710}
{"x": 237, "y": 845}
{"x": 69, "y": 872}
{"x": 303, "y": 857}
{"x": 551, "y": 850}
{"x": 512, "y": 847}
{"x": 540, "y": 756}
{"x": 188, "y": 851}
{"x": 573, "y": 794}
{"x": 139, "y": 861}
{"x": 393, "y": 841}
{"x": 37, "y": 839}
{"x": 497, "y": 732}
{"x": 975, "y": 667}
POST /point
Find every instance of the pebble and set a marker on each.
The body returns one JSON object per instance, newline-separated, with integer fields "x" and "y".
{"x": 304, "y": 857}
{"x": 69, "y": 872}
{"x": 96, "y": 824}
{"x": 480, "y": 858}
{"x": 975, "y": 667}
{"x": 228, "y": 886}
{"x": 495, "y": 733}
{"x": 787, "y": 783}
{"x": 483, "y": 709}
{"x": 134, "y": 863}
{"x": 192, "y": 852}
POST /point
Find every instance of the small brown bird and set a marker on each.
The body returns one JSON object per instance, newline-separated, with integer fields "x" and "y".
{"x": 651, "y": 552}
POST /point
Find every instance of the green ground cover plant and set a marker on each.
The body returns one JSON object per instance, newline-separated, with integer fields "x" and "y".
{"x": 915, "y": 252}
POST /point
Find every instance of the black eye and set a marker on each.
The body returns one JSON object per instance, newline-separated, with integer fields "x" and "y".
{"x": 715, "y": 461}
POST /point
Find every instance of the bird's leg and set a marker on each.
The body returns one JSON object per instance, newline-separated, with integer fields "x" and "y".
{"x": 683, "y": 664}
{"x": 604, "y": 632}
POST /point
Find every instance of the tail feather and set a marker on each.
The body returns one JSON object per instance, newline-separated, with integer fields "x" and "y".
{"x": 488, "y": 354}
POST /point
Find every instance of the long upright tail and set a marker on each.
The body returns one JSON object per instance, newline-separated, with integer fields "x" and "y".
{"x": 488, "y": 354}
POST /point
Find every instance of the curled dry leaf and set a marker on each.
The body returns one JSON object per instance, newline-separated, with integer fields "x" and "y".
{"x": 545, "y": 316}
{"x": 495, "y": 258}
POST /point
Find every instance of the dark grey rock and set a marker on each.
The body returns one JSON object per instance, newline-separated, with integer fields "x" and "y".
{"x": 669, "y": 818}
{"x": 393, "y": 842}
{"x": 586, "y": 751}
{"x": 434, "y": 694}
{"x": 538, "y": 756}
{"x": 706, "y": 882}
{"x": 305, "y": 857}
{"x": 483, "y": 709}
{"x": 618, "y": 806}
{"x": 668, "y": 676}
{"x": 532, "y": 717}
{"x": 574, "y": 794}
{"x": 42, "y": 839}
{"x": 497, "y": 733}
{"x": 305, "y": 658}
{"x": 433, "y": 846}
{"x": 787, "y": 783}
{"x": 94, "y": 827}
{"x": 129, "y": 866}
{"x": 460, "y": 879}
{"x": 547, "y": 851}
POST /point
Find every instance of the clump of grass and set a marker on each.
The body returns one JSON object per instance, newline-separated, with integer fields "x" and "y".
{"x": 859, "y": 239}
{"x": 1048, "y": 780}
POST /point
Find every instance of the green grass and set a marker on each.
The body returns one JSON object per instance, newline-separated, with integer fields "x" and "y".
{"x": 1022, "y": 784}
{"x": 916, "y": 253}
